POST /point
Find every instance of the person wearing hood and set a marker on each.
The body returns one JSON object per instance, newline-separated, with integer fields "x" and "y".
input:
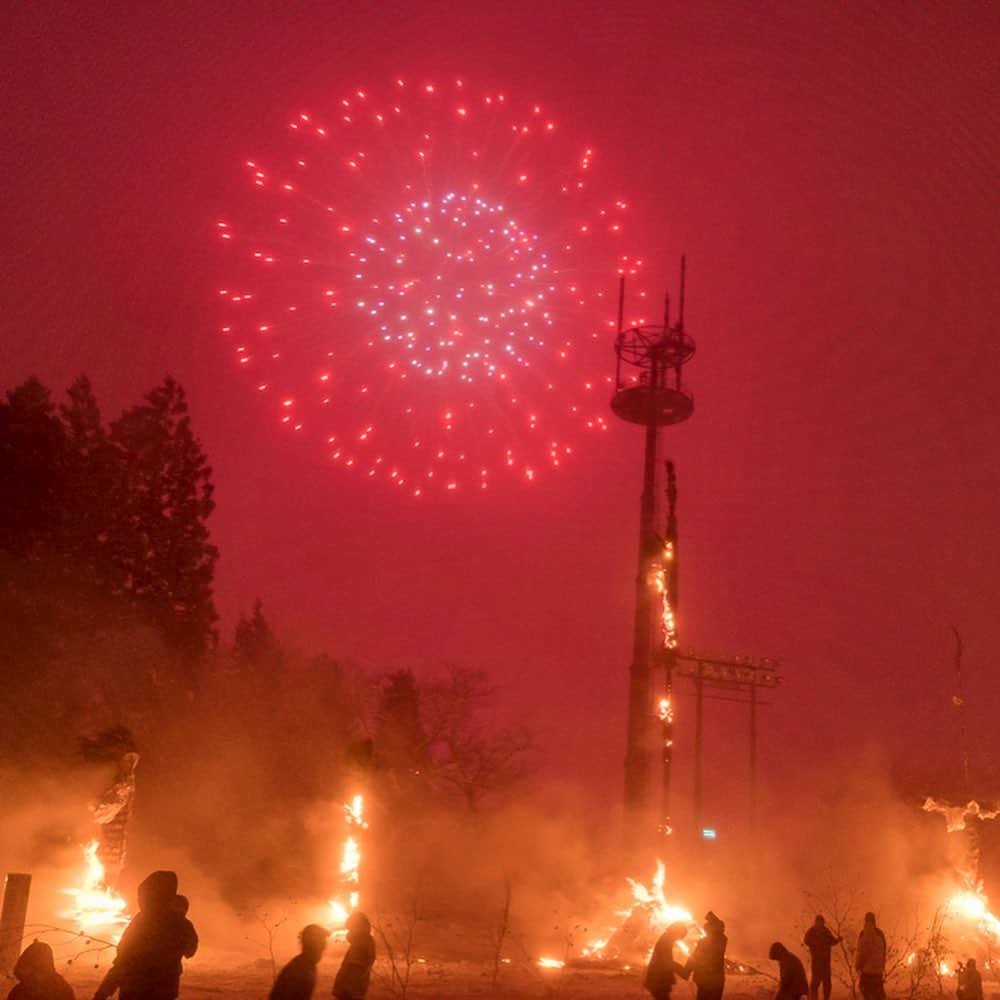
{"x": 869, "y": 960}
{"x": 297, "y": 979}
{"x": 707, "y": 964}
{"x": 970, "y": 981}
{"x": 820, "y": 940}
{"x": 792, "y": 983}
{"x": 159, "y": 936}
{"x": 356, "y": 968}
{"x": 37, "y": 979}
{"x": 662, "y": 971}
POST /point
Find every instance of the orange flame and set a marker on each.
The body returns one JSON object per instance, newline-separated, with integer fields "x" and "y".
{"x": 650, "y": 902}
{"x": 668, "y": 623}
{"x": 98, "y": 910}
{"x": 664, "y": 913}
{"x": 975, "y": 906}
{"x": 342, "y": 905}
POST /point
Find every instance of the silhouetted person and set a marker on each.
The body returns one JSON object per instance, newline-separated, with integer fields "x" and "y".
{"x": 148, "y": 964}
{"x": 356, "y": 968}
{"x": 792, "y": 982}
{"x": 662, "y": 971}
{"x": 37, "y": 979}
{"x": 297, "y": 979}
{"x": 707, "y": 964}
{"x": 970, "y": 981}
{"x": 869, "y": 960}
{"x": 820, "y": 940}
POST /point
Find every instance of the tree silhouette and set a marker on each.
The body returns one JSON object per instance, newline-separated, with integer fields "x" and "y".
{"x": 32, "y": 470}
{"x": 400, "y": 741}
{"x": 119, "y": 515}
{"x": 89, "y": 481}
{"x": 163, "y": 558}
{"x": 254, "y": 643}
{"x": 467, "y": 753}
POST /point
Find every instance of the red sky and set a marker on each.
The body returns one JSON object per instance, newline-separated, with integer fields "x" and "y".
{"x": 828, "y": 169}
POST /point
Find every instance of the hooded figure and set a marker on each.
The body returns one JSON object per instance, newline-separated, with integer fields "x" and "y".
{"x": 148, "y": 965}
{"x": 792, "y": 982}
{"x": 820, "y": 940}
{"x": 662, "y": 971}
{"x": 37, "y": 979}
{"x": 356, "y": 969}
{"x": 870, "y": 960}
{"x": 970, "y": 981}
{"x": 297, "y": 979}
{"x": 707, "y": 965}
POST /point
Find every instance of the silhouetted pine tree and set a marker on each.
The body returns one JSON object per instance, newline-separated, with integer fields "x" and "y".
{"x": 400, "y": 741}
{"x": 32, "y": 471}
{"x": 256, "y": 651}
{"x": 162, "y": 556}
{"x": 90, "y": 481}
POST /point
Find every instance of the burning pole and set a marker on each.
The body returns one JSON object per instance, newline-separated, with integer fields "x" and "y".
{"x": 648, "y": 391}
{"x": 971, "y": 901}
{"x": 360, "y": 766}
{"x": 112, "y": 812}
{"x": 97, "y": 908}
{"x": 348, "y": 897}
{"x": 667, "y": 586}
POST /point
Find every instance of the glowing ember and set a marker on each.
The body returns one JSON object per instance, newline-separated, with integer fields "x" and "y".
{"x": 421, "y": 280}
{"x": 550, "y": 963}
{"x": 349, "y": 898}
{"x": 98, "y": 910}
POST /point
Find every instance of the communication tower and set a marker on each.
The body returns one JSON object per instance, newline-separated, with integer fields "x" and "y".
{"x": 649, "y": 391}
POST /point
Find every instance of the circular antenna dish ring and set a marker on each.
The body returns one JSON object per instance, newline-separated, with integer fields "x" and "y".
{"x": 651, "y": 346}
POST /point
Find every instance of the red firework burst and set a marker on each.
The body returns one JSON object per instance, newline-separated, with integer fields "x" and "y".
{"x": 424, "y": 280}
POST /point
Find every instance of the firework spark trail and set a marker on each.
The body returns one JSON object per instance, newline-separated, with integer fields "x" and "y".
{"x": 423, "y": 279}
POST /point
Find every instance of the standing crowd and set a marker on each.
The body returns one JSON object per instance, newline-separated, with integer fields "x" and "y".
{"x": 150, "y": 956}
{"x": 706, "y": 965}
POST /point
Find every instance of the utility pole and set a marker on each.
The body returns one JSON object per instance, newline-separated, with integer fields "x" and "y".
{"x": 739, "y": 679}
{"x": 753, "y": 753}
{"x": 699, "y": 745}
{"x": 13, "y": 914}
{"x": 958, "y": 700}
